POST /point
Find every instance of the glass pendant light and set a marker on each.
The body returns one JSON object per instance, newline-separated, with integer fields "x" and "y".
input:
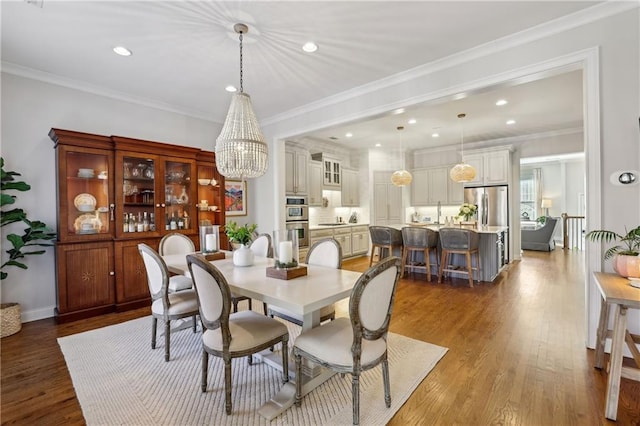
{"x": 401, "y": 177}
{"x": 462, "y": 172}
{"x": 241, "y": 151}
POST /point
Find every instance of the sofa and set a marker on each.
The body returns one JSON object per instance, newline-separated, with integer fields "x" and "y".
{"x": 540, "y": 239}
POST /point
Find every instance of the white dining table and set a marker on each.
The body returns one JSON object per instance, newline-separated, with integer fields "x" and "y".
{"x": 305, "y": 295}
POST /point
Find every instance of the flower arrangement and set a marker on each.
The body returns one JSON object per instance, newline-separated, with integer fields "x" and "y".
{"x": 240, "y": 234}
{"x": 467, "y": 211}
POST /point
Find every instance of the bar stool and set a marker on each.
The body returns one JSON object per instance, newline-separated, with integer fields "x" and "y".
{"x": 459, "y": 241}
{"x": 384, "y": 238}
{"x": 419, "y": 240}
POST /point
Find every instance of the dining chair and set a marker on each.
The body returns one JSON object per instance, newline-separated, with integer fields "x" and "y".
{"x": 325, "y": 252}
{"x": 459, "y": 241}
{"x": 358, "y": 343}
{"x": 419, "y": 240}
{"x": 165, "y": 305}
{"x": 230, "y": 335}
{"x": 386, "y": 240}
{"x": 260, "y": 246}
{"x": 176, "y": 243}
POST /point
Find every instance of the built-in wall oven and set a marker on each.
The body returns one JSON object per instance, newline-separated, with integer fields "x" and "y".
{"x": 297, "y": 217}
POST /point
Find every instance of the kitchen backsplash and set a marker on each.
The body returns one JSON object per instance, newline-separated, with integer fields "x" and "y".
{"x": 430, "y": 214}
{"x": 330, "y": 213}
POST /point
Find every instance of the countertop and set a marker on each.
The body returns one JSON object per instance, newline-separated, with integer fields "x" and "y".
{"x": 435, "y": 227}
{"x": 345, "y": 225}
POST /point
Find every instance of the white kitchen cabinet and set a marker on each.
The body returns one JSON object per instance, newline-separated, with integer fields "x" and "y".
{"x": 316, "y": 235}
{"x": 315, "y": 183}
{"x": 492, "y": 167}
{"x": 343, "y": 237}
{"x": 350, "y": 192}
{"x": 331, "y": 170}
{"x": 433, "y": 185}
{"x": 359, "y": 240}
{"x": 296, "y": 171}
{"x": 387, "y": 200}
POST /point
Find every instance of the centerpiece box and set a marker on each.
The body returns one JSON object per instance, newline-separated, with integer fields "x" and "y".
{"x": 287, "y": 273}
{"x": 214, "y": 256}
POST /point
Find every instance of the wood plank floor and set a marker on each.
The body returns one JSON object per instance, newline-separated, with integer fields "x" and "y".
{"x": 516, "y": 353}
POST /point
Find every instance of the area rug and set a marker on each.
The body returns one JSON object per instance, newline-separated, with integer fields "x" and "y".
{"x": 120, "y": 380}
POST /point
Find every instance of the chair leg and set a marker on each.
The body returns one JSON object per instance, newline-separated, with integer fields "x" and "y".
{"x": 387, "y": 386}
{"x": 227, "y": 384}
{"x": 195, "y": 324}
{"x": 154, "y": 331}
{"x": 250, "y": 359}
{"x": 405, "y": 253}
{"x": 373, "y": 251}
{"x": 264, "y": 308}
{"x": 355, "y": 390}
{"x": 469, "y": 268}
{"x": 298, "y": 359}
{"x": 250, "y": 307}
{"x": 443, "y": 262}
{"x": 235, "y": 305}
{"x": 285, "y": 359}
{"x": 427, "y": 263}
{"x": 167, "y": 339}
{"x": 205, "y": 370}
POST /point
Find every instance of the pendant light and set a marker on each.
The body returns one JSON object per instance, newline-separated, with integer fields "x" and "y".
{"x": 401, "y": 177}
{"x": 462, "y": 172}
{"x": 241, "y": 151}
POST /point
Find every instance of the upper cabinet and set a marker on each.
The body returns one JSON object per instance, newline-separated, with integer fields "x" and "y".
{"x": 296, "y": 171}
{"x": 492, "y": 167}
{"x": 315, "y": 184}
{"x": 433, "y": 185}
{"x": 350, "y": 193}
{"x": 331, "y": 170}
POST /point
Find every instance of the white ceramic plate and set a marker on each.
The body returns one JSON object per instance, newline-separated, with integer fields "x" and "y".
{"x": 87, "y": 223}
{"x": 85, "y": 202}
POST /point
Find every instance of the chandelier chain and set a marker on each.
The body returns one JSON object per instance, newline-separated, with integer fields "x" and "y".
{"x": 241, "y": 88}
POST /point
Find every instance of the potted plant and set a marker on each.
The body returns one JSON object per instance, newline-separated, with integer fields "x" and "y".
{"x": 625, "y": 256}
{"x": 241, "y": 235}
{"x": 34, "y": 235}
{"x": 467, "y": 211}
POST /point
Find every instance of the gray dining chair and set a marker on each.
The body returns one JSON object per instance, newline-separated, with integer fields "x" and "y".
{"x": 459, "y": 241}
{"x": 419, "y": 240}
{"x": 260, "y": 246}
{"x": 386, "y": 240}
{"x": 358, "y": 343}
{"x": 230, "y": 335}
{"x": 165, "y": 305}
{"x": 325, "y": 252}
{"x": 176, "y": 243}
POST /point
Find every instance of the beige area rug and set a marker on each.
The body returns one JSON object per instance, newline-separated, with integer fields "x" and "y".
{"x": 120, "y": 380}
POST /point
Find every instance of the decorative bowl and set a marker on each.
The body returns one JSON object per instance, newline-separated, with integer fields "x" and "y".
{"x": 204, "y": 181}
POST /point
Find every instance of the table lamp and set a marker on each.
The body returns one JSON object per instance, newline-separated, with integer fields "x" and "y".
{"x": 546, "y": 203}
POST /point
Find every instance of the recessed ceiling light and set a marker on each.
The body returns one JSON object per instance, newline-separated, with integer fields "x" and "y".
{"x": 378, "y": 145}
{"x": 348, "y": 134}
{"x": 309, "y": 47}
{"x": 510, "y": 122}
{"x": 435, "y": 135}
{"x": 231, "y": 89}
{"x": 398, "y": 111}
{"x": 122, "y": 51}
{"x": 501, "y": 102}
{"x": 412, "y": 121}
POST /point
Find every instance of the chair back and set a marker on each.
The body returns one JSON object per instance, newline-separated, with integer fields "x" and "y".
{"x": 325, "y": 252}
{"x": 262, "y": 246}
{"x": 414, "y": 236}
{"x": 176, "y": 243}
{"x": 459, "y": 239}
{"x": 212, "y": 290}
{"x": 157, "y": 274}
{"x": 385, "y": 236}
{"x": 371, "y": 301}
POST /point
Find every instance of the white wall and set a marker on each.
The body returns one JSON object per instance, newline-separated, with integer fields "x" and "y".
{"x": 29, "y": 110}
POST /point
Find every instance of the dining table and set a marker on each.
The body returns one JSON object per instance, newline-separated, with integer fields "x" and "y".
{"x": 305, "y": 295}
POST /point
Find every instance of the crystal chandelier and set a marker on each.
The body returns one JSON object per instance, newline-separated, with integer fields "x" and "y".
{"x": 241, "y": 151}
{"x": 462, "y": 172}
{"x": 401, "y": 177}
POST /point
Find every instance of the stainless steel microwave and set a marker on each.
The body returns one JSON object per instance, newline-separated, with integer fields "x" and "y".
{"x": 297, "y": 212}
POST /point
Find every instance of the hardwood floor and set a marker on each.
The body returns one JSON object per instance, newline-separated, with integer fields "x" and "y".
{"x": 516, "y": 353}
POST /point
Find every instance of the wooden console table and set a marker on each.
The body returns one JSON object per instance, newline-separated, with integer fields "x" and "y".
{"x": 617, "y": 293}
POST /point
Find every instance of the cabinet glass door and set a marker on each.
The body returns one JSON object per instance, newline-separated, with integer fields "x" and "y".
{"x": 138, "y": 191}
{"x": 179, "y": 210}
{"x": 89, "y": 210}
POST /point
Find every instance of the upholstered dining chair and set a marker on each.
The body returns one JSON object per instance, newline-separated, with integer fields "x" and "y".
{"x": 325, "y": 252}
{"x": 176, "y": 243}
{"x": 459, "y": 241}
{"x": 260, "y": 246}
{"x": 230, "y": 335}
{"x": 165, "y": 305}
{"x": 419, "y": 240}
{"x": 358, "y": 343}
{"x": 386, "y": 240}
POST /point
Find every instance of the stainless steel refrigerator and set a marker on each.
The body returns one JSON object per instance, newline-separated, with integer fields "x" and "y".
{"x": 492, "y": 202}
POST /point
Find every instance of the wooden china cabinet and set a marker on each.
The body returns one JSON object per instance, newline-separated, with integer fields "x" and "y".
{"x": 212, "y": 210}
{"x": 114, "y": 193}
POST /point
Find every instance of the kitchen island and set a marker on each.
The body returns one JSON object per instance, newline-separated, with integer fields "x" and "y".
{"x": 492, "y": 248}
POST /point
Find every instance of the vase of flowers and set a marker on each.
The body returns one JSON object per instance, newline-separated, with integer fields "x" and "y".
{"x": 467, "y": 211}
{"x": 242, "y": 235}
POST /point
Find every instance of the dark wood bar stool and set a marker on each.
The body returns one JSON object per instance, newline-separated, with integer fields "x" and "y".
{"x": 419, "y": 240}
{"x": 384, "y": 238}
{"x": 459, "y": 241}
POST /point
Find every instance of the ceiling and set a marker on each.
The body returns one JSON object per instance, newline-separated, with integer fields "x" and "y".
{"x": 185, "y": 53}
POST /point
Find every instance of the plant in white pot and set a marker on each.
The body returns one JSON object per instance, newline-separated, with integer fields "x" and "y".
{"x": 242, "y": 235}
{"x": 626, "y": 261}
{"x": 34, "y": 236}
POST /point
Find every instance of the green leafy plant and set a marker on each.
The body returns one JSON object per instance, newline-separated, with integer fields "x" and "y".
{"x": 34, "y": 235}
{"x": 240, "y": 234}
{"x": 541, "y": 220}
{"x": 630, "y": 242}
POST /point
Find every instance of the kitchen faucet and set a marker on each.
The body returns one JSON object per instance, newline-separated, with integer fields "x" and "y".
{"x": 439, "y": 208}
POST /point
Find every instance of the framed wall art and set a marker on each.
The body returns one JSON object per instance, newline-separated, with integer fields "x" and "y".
{"x": 235, "y": 198}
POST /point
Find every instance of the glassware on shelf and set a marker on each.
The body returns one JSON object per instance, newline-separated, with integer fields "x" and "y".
{"x": 149, "y": 172}
{"x": 127, "y": 170}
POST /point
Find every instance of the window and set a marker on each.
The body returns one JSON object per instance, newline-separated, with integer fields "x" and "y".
{"x": 530, "y": 190}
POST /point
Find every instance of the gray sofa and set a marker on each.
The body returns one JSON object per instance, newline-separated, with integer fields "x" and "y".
{"x": 540, "y": 239}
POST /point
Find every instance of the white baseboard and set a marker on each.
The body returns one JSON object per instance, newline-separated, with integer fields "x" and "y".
{"x": 37, "y": 314}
